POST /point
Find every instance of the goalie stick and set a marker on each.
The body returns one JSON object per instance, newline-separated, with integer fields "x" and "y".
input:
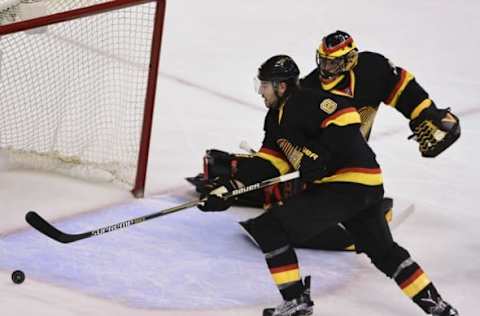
{"x": 44, "y": 227}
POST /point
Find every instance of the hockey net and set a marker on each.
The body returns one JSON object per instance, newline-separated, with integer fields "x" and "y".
{"x": 77, "y": 82}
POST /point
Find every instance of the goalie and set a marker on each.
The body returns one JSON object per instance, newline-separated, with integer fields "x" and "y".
{"x": 369, "y": 79}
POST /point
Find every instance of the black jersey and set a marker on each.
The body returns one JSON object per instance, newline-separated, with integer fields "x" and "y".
{"x": 330, "y": 126}
{"x": 372, "y": 81}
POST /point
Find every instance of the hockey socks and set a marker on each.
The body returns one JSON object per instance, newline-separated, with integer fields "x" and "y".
{"x": 414, "y": 283}
{"x": 283, "y": 265}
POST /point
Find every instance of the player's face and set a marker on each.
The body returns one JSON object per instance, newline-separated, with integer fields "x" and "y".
{"x": 267, "y": 91}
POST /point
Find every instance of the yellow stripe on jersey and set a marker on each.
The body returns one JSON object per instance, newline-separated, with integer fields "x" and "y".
{"x": 343, "y": 117}
{"x": 280, "y": 164}
{"x": 367, "y": 115}
{"x": 356, "y": 175}
{"x": 347, "y": 91}
{"x": 419, "y": 108}
{"x": 405, "y": 78}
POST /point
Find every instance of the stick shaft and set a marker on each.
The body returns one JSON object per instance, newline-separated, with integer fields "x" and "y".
{"x": 40, "y": 224}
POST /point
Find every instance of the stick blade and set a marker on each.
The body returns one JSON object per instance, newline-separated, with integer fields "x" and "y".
{"x": 40, "y": 224}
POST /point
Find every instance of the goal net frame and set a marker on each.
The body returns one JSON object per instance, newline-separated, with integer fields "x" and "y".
{"x": 153, "y": 70}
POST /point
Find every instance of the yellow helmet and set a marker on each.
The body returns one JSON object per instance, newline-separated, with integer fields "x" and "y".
{"x": 337, "y": 54}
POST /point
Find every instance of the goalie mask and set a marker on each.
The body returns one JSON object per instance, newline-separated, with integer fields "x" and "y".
{"x": 337, "y": 54}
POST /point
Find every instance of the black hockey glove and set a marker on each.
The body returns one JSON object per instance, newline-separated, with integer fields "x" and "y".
{"x": 214, "y": 200}
{"x": 435, "y": 130}
{"x": 312, "y": 165}
{"x": 310, "y": 160}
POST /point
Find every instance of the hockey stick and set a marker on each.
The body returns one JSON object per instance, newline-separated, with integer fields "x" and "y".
{"x": 40, "y": 224}
{"x": 245, "y": 146}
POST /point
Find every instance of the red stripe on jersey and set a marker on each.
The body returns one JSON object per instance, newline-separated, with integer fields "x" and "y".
{"x": 403, "y": 76}
{"x": 336, "y": 115}
{"x": 362, "y": 170}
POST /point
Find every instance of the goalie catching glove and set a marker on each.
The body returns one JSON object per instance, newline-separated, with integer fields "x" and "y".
{"x": 214, "y": 199}
{"x": 435, "y": 130}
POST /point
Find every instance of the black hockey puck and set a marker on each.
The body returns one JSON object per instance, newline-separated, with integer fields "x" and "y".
{"x": 18, "y": 277}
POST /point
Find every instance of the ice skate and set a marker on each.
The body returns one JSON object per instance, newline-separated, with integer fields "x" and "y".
{"x": 443, "y": 308}
{"x": 301, "y": 306}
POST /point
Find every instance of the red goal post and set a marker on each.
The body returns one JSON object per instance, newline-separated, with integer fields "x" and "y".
{"x": 78, "y": 87}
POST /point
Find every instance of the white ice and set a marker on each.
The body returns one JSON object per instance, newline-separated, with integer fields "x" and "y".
{"x": 192, "y": 263}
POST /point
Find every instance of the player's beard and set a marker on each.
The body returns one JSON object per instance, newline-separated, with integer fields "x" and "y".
{"x": 272, "y": 103}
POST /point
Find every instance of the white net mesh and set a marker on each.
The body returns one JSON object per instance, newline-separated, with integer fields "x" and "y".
{"x": 73, "y": 96}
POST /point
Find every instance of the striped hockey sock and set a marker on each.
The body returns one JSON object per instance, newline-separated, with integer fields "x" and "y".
{"x": 414, "y": 283}
{"x": 283, "y": 265}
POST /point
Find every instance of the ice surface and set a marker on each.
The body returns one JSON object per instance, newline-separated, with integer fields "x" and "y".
{"x": 210, "y": 53}
{"x": 180, "y": 260}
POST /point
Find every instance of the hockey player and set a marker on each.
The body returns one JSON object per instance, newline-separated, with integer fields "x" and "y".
{"x": 319, "y": 135}
{"x": 369, "y": 79}
{"x": 250, "y": 168}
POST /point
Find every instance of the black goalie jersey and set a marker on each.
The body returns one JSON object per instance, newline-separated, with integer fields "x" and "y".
{"x": 372, "y": 81}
